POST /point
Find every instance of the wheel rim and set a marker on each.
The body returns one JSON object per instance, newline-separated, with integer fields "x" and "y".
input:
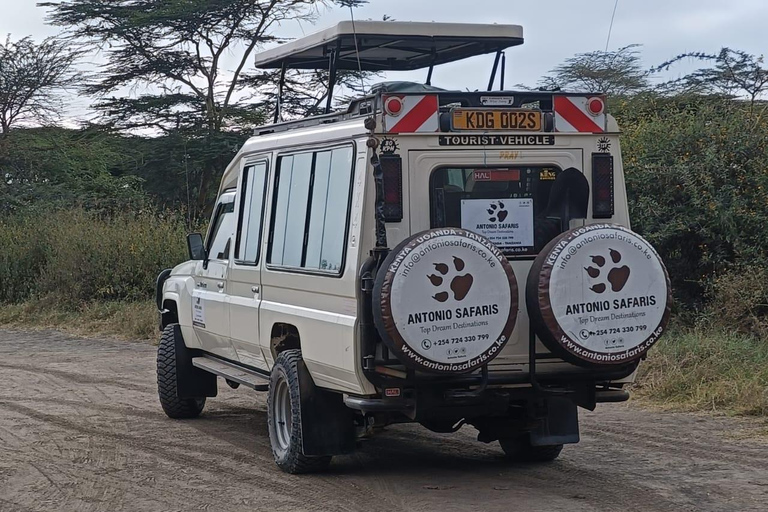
{"x": 283, "y": 418}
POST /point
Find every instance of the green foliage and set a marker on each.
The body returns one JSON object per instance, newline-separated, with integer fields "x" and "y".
{"x": 79, "y": 256}
{"x": 65, "y": 167}
{"x": 697, "y": 178}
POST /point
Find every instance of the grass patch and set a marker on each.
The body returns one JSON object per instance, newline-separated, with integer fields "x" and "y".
{"x": 698, "y": 370}
{"x": 122, "y": 319}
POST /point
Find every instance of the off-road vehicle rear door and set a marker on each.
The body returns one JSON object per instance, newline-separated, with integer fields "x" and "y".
{"x": 501, "y": 194}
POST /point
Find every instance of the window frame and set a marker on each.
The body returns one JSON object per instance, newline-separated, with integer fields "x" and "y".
{"x": 217, "y": 213}
{"x": 248, "y": 164}
{"x": 313, "y": 150}
{"x": 509, "y": 256}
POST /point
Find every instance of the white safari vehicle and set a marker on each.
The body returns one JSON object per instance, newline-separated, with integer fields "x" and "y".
{"x": 425, "y": 255}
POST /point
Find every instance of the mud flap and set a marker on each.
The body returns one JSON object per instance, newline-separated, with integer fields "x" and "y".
{"x": 327, "y": 425}
{"x": 560, "y": 426}
{"x": 191, "y": 382}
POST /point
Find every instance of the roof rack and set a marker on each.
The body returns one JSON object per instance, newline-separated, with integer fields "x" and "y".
{"x": 389, "y": 46}
{"x": 371, "y": 104}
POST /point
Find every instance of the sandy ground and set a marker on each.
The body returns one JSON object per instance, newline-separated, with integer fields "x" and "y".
{"x": 81, "y": 430}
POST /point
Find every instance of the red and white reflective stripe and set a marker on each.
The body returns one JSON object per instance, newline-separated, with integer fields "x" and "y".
{"x": 572, "y": 115}
{"x": 420, "y": 113}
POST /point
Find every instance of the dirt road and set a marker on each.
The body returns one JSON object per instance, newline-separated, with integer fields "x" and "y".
{"x": 81, "y": 430}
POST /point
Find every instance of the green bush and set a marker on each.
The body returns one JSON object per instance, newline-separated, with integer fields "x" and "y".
{"x": 80, "y": 256}
{"x": 697, "y": 181}
{"x": 24, "y": 241}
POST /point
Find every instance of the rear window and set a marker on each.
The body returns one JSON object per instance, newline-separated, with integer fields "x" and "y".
{"x": 506, "y": 204}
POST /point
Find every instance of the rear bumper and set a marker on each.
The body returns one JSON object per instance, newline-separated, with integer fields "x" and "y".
{"x": 419, "y": 397}
{"x": 407, "y": 406}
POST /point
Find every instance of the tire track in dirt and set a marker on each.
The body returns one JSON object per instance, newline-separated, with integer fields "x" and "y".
{"x": 279, "y": 484}
{"x": 81, "y": 430}
{"x": 79, "y": 378}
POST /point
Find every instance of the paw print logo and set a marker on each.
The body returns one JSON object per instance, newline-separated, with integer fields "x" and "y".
{"x": 497, "y": 211}
{"x": 458, "y": 284}
{"x": 617, "y": 276}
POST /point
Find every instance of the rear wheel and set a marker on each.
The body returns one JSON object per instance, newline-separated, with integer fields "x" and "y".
{"x": 167, "y": 384}
{"x": 519, "y": 449}
{"x": 284, "y": 417}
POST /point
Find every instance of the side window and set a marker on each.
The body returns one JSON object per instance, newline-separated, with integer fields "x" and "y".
{"x": 293, "y": 176}
{"x": 330, "y": 193}
{"x": 224, "y": 226}
{"x": 310, "y": 211}
{"x": 255, "y": 180}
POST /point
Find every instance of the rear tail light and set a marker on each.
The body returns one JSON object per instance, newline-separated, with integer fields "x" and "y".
{"x": 393, "y": 106}
{"x": 392, "y": 169}
{"x": 602, "y": 185}
{"x": 595, "y": 106}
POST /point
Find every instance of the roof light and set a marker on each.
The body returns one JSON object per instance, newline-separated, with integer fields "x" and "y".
{"x": 595, "y": 106}
{"x": 393, "y": 106}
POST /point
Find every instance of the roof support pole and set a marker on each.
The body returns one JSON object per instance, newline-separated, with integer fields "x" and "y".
{"x": 332, "y": 71}
{"x": 280, "y": 85}
{"x": 493, "y": 71}
{"x": 431, "y": 66}
{"x": 503, "y": 69}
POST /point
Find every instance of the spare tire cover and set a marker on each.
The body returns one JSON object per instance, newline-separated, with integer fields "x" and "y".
{"x": 599, "y": 295}
{"x": 445, "y": 301}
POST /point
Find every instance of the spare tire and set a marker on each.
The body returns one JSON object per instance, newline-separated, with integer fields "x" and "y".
{"x": 598, "y": 295}
{"x": 445, "y": 301}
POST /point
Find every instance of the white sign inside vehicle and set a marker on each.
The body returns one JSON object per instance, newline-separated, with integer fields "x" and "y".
{"x": 508, "y": 223}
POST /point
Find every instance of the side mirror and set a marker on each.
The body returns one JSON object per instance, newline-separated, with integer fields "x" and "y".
{"x": 196, "y": 246}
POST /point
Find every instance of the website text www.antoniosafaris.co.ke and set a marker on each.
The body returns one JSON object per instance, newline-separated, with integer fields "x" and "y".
{"x": 455, "y": 367}
{"x": 489, "y": 253}
{"x": 574, "y": 248}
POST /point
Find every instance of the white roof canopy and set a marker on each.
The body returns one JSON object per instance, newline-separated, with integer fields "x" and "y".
{"x": 391, "y": 45}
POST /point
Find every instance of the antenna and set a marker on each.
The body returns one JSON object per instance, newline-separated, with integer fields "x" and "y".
{"x": 610, "y": 28}
{"x": 357, "y": 50}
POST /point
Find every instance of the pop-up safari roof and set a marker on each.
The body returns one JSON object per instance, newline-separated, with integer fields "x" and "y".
{"x": 390, "y": 45}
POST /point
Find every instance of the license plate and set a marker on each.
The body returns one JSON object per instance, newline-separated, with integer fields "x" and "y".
{"x": 496, "y": 119}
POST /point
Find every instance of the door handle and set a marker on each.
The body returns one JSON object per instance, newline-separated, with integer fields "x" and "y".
{"x": 220, "y": 285}
{"x": 255, "y": 289}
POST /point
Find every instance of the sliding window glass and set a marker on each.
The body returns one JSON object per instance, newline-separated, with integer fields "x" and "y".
{"x": 330, "y": 201}
{"x": 309, "y": 224}
{"x": 294, "y": 173}
{"x": 253, "y": 212}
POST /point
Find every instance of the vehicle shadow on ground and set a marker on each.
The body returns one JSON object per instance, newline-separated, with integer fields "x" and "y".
{"x": 398, "y": 449}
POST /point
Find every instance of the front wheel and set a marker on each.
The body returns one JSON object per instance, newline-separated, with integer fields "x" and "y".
{"x": 519, "y": 449}
{"x": 167, "y": 378}
{"x": 284, "y": 417}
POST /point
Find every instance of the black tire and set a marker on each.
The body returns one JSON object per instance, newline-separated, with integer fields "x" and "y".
{"x": 519, "y": 449}
{"x": 174, "y": 407}
{"x": 283, "y": 401}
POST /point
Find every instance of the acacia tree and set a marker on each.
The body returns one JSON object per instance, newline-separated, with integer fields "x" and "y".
{"x": 734, "y": 73}
{"x": 189, "y": 59}
{"x": 31, "y": 76}
{"x": 615, "y": 73}
{"x": 174, "y": 52}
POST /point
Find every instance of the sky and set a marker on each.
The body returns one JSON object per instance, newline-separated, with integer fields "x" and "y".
{"x": 554, "y": 30}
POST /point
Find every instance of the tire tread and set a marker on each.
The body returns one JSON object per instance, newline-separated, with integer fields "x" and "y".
{"x": 295, "y": 462}
{"x": 173, "y": 406}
